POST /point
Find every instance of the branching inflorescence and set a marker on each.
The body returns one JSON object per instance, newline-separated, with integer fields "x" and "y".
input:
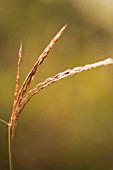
{"x": 24, "y": 95}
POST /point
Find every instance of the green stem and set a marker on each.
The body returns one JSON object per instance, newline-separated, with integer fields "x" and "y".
{"x": 9, "y": 143}
{"x": 9, "y": 147}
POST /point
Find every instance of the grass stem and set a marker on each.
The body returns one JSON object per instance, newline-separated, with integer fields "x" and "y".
{"x": 3, "y": 121}
{"x": 9, "y": 147}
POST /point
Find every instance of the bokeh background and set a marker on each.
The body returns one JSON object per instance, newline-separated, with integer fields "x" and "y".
{"x": 69, "y": 125}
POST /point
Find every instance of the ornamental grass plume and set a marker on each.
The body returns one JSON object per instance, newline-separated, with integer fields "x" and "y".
{"x": 19, "y": 96}
{"x": 24, "y": 95}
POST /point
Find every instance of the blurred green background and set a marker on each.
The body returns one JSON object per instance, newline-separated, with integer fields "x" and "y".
{"x": 69, "y": 125}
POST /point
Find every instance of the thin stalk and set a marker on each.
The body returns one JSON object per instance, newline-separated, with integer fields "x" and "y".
{"x": 3, "y": 121}
{"x": 9, "y": 143}
{"x": 9, "y": 147}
